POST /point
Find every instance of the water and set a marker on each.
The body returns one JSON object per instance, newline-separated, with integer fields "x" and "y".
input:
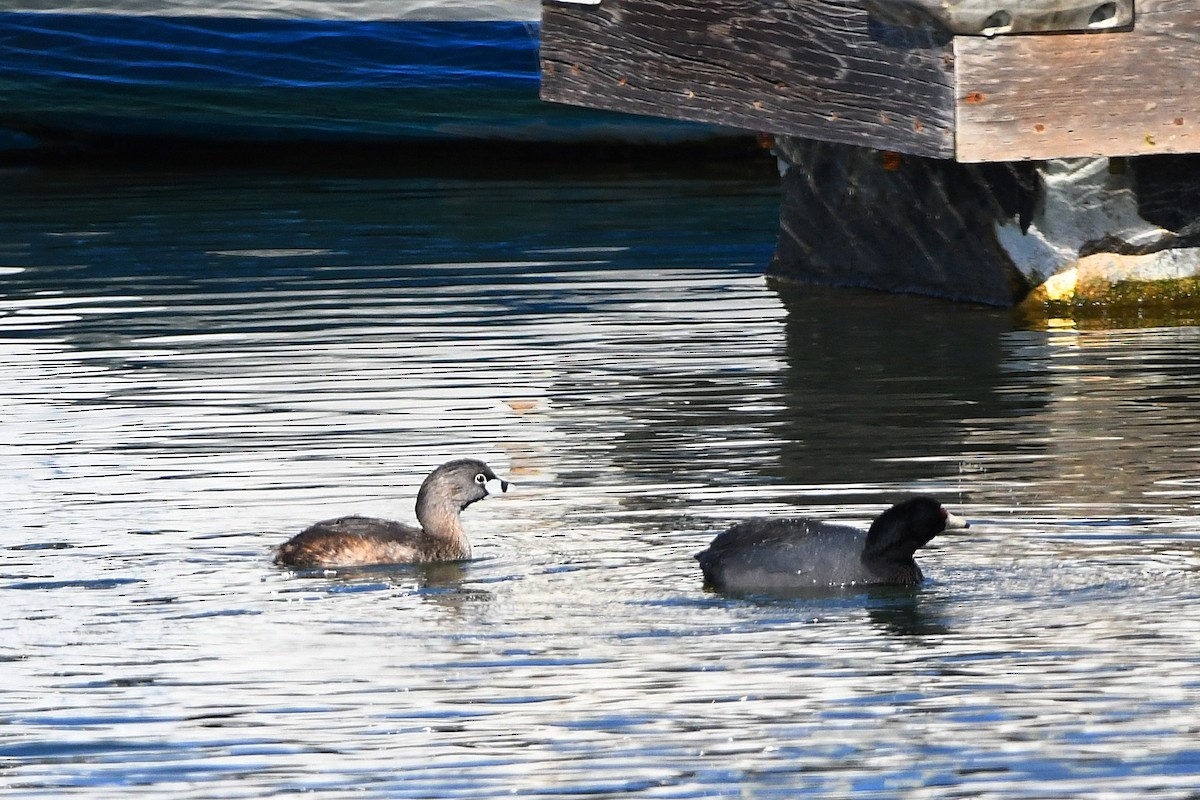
{"x": 198, "y": 365}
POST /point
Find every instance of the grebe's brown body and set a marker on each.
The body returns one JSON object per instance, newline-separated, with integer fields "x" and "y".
{"x": 360, "y": 541}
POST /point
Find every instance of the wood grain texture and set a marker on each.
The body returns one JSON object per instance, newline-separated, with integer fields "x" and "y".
{"x": 1102, "y": 94}
{"x": 810, "y": 68}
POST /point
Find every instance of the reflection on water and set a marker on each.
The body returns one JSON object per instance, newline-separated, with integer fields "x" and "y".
{"x": 197, "y": 366}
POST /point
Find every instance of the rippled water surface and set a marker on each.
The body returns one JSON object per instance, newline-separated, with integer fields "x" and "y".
{"x": 197, "y": 365}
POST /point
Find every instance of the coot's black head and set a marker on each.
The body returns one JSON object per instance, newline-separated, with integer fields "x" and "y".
{"x": 907, "y": 527}
{"x": 459, "y": 483}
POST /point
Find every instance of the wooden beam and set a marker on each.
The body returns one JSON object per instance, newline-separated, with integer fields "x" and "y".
{"x": 1094, "y": 94}
{"x": 815, "y": 69}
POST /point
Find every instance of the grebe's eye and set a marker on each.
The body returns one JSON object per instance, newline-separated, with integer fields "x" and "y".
{"x": 481, "y": 479}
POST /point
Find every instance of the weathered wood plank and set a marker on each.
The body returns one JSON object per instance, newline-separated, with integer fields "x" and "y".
{"x": 810, "y": 68}
{"x": 1101, "y": 94}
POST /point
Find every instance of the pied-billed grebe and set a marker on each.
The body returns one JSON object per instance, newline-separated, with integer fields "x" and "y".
{"x": 774, "y": 555}
{"x": 360, "y": 541}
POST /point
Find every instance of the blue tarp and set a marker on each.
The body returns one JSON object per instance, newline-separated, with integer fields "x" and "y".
{"x": 289, "y": 79}
{"x": 256, "y": 53}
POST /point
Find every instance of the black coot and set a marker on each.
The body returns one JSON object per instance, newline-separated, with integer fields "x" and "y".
{"x": 780, "y": 555}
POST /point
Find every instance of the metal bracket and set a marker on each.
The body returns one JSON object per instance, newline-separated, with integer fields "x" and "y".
{"x": 996, "y": 17}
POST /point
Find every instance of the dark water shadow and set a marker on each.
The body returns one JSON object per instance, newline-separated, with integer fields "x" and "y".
{"x": 876, "y": 382}
{"x": 442, "y": 583}
{"x": 906, "y": 611}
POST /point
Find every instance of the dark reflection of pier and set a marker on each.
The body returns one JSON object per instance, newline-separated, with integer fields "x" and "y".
{"x": 873, "y": 381}
{"x": 873, "y": 391}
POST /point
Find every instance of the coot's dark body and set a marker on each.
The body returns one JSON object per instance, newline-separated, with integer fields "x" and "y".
{"x": 779, "y": 555}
